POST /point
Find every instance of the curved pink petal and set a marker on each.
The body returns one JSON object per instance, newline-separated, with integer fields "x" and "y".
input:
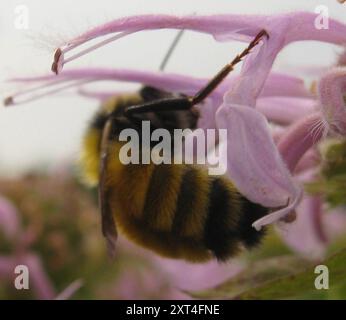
{"x": 254, "y": 163}
{"x": 280, "y": 214}
{"x": 282, "y": 30}
{"x": 222, "y": 27}
{"x": 226, "y": 26}
{"x": 290, "y": 26}
{"x": 280, "y": 84}
{"x": 285, "y": 110}
{"x": 254, "y": 73}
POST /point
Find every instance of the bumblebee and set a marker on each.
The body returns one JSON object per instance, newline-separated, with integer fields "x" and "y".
{"x": 176, "y": 210}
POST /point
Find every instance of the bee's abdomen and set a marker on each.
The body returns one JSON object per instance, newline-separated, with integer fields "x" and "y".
{"x": 192, "y": 204}
{"x": 199, "y": 212}
{"x": 230, "y": 218}
{"x": 221, "y": 232}
{"x": 185, "y": 213}
{"x": 250, "y": 213}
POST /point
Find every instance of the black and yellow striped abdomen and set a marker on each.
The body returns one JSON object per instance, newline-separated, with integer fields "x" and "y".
{"x": 179, "y": 211}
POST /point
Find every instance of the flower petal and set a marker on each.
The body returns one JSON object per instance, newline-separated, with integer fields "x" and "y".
{"x": 289, "y": 27}
{"x": 279, "y": 214}
{"x": 286, "y": 110}
{"x": 254, "y": 163}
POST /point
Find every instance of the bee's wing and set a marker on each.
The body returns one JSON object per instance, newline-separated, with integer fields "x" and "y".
{"x": 108, "y": 224}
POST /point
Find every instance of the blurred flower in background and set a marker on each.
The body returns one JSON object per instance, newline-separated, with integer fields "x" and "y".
{"x": 51, "y": 224}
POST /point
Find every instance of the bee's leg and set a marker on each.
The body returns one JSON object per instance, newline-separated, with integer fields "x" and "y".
{"x": 108, "y": 224}
{"x": 149, "y": 93}
{"x": 222, "y": 74}
{"x": 166, "y": 104}
{"x": 185, "y": 103}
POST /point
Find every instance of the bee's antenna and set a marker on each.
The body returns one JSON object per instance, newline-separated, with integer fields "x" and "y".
{"x": 171, "y": 49}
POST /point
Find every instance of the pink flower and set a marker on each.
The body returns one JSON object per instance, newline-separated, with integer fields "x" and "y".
{"x": 253, "y": 161}
{"x": 283, "y": 29}
{"x": 260, "y": 169}
{"x": 22, "y": 255}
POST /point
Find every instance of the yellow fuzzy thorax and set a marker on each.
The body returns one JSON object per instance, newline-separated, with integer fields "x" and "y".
{"x": 89, "y": 158}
